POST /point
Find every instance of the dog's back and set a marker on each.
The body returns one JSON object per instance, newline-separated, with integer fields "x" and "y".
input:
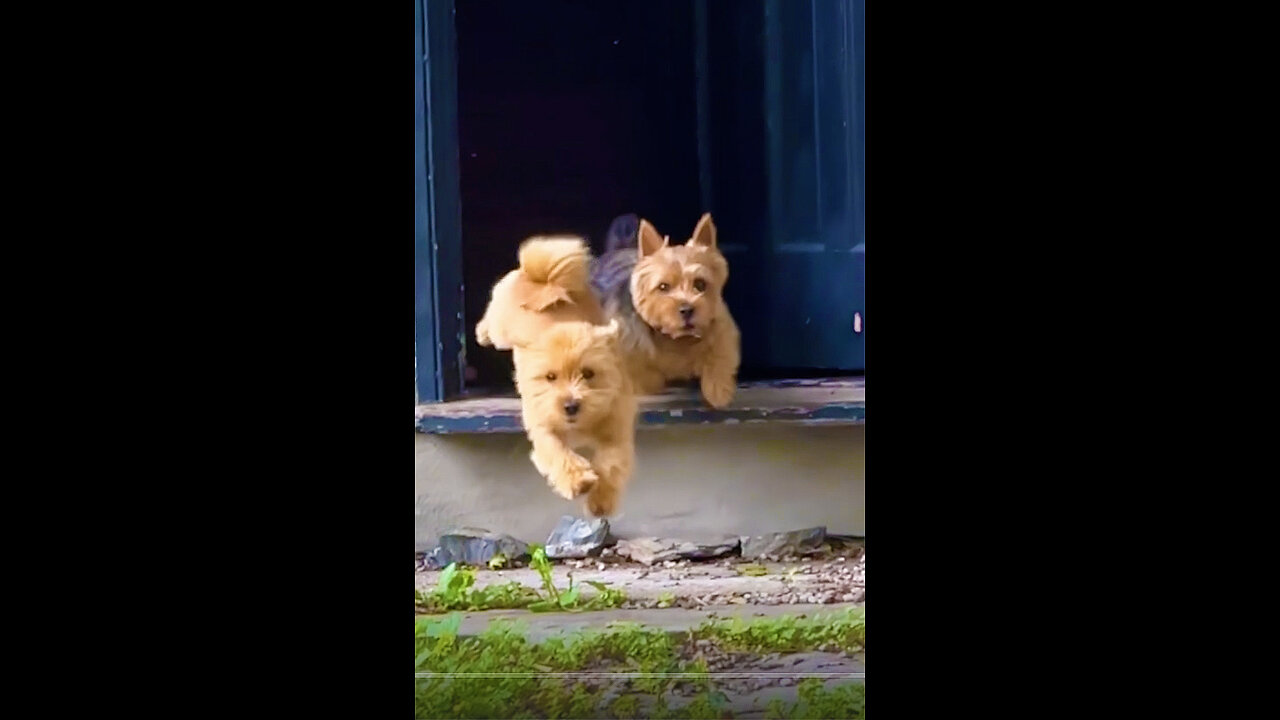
{"x": 550, "y": 286}
{"x": 611, "y": 281}
{"x": 612, "y": 269}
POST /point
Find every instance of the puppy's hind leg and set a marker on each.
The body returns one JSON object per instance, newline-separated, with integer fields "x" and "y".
{"x": 489, "y": 336}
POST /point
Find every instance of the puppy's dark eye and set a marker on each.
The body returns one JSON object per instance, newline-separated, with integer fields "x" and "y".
{"x": 663, "y": 287}
{"x": 551, "y": 377}
{"x": 699, "y": 284}
{"x": 588, "y": 373}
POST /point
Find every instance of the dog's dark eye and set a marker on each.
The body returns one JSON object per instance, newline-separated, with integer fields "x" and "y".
{"x": 551, "y": 377}
{"x": 588, "y": 373}
{"x": 663, "y": 287}
{"x": 699, "y": 284}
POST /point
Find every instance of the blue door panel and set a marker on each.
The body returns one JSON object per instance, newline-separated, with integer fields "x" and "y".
{"x": 790, "y": 92}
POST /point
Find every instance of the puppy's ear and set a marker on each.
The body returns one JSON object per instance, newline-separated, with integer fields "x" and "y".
{"x": 543, "y": 297}
{"x": 650, "y": 241}
{"x": 608, "y": 332}
{"x": 705, "y": 233}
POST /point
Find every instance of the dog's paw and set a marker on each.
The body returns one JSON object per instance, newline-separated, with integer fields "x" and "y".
{"x": 574, "y": 481}
{"x": 718, "y": 393}
{"x": 602, "y": 502}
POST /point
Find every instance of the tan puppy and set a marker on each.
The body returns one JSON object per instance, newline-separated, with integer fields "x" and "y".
{"x": 575, "y": 394}
{"x": 675, "y": 324}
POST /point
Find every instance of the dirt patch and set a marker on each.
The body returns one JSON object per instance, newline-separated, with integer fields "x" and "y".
{"x": 748, "y": 681}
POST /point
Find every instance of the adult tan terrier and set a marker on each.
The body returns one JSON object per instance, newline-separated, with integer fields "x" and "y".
{"x": 575, "y": 394}
{"x": 668, "y": 301}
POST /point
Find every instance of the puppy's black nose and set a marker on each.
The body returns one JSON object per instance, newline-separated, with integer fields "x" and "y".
{"x": 686, "y": 311}
{"x": 571, "y": 407}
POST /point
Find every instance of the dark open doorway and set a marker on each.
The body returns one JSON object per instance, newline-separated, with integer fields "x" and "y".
{"x": 572, "y": 112}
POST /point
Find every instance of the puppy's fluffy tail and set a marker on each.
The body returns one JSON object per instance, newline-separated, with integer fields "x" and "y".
{"x": 559, "y": 264}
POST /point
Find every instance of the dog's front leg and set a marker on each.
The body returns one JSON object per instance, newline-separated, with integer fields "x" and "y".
{"x": 567, "y": 472}
{"x": 614, "y": 464}
{"x": 719, "y": 381}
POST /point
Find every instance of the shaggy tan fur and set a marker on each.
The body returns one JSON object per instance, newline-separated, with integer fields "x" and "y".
{"x": 687, "y": 331}
{"x": 577, "y": 401}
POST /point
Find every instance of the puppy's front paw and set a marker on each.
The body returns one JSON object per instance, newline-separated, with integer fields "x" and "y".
{"x": 602, "y": 501}
{"x": 718, "y": 393}
{"x": 576, "y": 479}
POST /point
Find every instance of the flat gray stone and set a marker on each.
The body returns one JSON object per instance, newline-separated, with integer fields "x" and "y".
{"x": 794, "y": 542}
{"x": 435, "y": 560}
{"x": 650, "y": 550}
{"x": 474, "y": 546}
{"x": 577, "y": 538}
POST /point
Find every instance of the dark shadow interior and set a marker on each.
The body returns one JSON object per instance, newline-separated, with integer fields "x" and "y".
{"x": 570, "y": 113}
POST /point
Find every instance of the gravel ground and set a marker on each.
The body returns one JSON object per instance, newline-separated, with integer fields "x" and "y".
{"x": 696, "y": 584}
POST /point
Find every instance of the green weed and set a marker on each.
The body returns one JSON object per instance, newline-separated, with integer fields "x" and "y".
{"x": 844, "y": 630}
{"x": 456, "y": 590}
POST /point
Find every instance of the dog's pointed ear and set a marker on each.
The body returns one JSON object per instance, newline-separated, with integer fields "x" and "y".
{"x": 705, "y": 233}
{"x": 650, "y": 241}
{"x": 608, "y": 332}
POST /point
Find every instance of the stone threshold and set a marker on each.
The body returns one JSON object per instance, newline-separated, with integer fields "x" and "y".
{"x": 830, "y": 401}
